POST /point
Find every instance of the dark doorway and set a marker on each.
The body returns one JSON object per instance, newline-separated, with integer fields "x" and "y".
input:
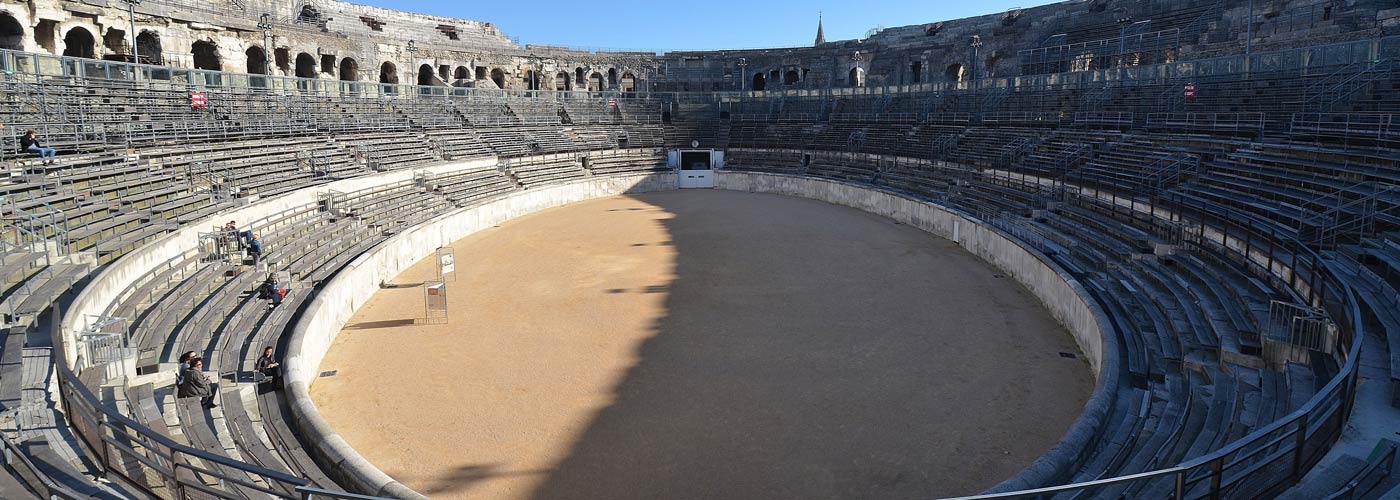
{"x": 115, "y": 41}
{"x": 425, "y": 75}
{"x": 11, "y": 33}
{"x": 283, "y": 58}
{"x": 595, "y": 82}
{"x": 78, "y": 43}
{"x": 759, "y": 81}
{"x": 257, "y": 60}
{"x": 612, "y": 77}
{"x": 561, "y": 82}
{"x": 916, "y": 72}
{"x": 306, "y": 66}
{"x": 954, "y": 73}
{"x": 148, "y": 48}
{"x": 461, "y": 73}
{"x": 856, "y": 78}
{"x": 790, "y": 77}
{"x": 629, "y": 82}
{"x": 388, "y": 73}
{"x": 328, "y": 64}
{"x": 206, "y": 56}
{"x": 695, "y": 160}
{"x": 349, "y": 70}
{"x": 499, "y": 77}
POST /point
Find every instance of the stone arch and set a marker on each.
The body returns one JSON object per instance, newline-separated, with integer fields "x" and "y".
{"x": 579, "y": 76}
{"x": 115, "y": 41}
{"x": 461, "y": 73}
{"x": 11, "y": 32}
{"x": 760, "y": 81}
{"x": 856, "y": 78}
{"x": 306, "y": 65}
{"x": 596, "y": 82}
{"x": 79, "y": 42}
{"x": 148, "y": 47}
{"x": 257, "y": 60}
{"x": 206, "y": 56}
{"x": 349, "y": 69}
{"x": 916, "y": 72}
{"x": 388, "y": 73}
{"x": 499, "y": 77}
{"x": 282, "y": 57}
{"x": 629, "y": 82}
{"x": 954, "y": 72}
{"x": 425, "y": 75}
{"x": 532, "y": 80}
{"x": 562, "y": 82}
{"x": 790, "y": 77}
{"x": 612, "y": 77}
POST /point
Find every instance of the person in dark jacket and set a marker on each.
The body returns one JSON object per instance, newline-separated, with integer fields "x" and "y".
{"x": 268, "y": 366}
{"x": 30, "y": 143}
{"x": 271, "y": 291}
{"x": 255, "y": 249}
{"x": 196, "y": 384}
{"x": 184, "y": 365}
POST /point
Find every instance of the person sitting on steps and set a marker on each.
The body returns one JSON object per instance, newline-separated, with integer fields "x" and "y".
{"x": 30, "y": 143}
{"x": 268, "y": 366}
{"x": 196, "y": 384}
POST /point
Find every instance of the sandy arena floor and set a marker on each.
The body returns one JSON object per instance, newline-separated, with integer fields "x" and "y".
{"x": 705, "y": 344}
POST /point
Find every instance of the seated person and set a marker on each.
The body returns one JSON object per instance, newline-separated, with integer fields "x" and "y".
{"x": 30, "y": 143}
{"x": 267, "y": 365}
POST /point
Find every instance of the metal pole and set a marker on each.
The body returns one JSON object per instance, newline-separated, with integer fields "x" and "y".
{"x": 131, "y": 16}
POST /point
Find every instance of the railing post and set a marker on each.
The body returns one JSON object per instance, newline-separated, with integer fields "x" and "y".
{"x": 1299, "y": 442}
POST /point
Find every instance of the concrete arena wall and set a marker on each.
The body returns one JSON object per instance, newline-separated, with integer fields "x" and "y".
{"x": 112, "y": 280}
{"x": 359, "y": 280}
{"x": 1065, "y": 297}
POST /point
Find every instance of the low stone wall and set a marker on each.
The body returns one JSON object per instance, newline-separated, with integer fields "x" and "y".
{"x": 337, "y": 301}
{"x": 112, "y": 280}
{"x": 1061, "y": 294}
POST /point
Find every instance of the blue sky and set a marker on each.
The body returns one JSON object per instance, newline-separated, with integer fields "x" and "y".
{"x": 707, "y": 24}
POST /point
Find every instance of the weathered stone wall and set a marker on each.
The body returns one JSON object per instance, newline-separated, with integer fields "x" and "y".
{"x": 339, "y": 40}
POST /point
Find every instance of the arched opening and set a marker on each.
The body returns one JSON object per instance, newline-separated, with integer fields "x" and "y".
{"x": 760, "y": 81}
{"x": 283, "y": 58}
{"x": 461, "y": 73}
{"x": 916, "y": 72}
{"x": 349, "y": 70}
{"x": 425, "y": 75}
{"x": 629, "y": 82}
{"x": 257, "y": 60}
{"x": 206, "y": 56}
{"x": 11, "y": 33}
{"x": 595, "y": 82}
{"x": 116, "y": 43}
{"x": 989, "y": 69}
{"x": 790, "y": 77}
{"x": 388, "y": 73}
{"x": 954, "y": 73}
{"x": 532, "y": 80}
{"x": 306, "y": 65}
{"x": 578, "y": 76}
{"x": 562, "y": 82}
{"x": 612, "y": 77}
{"x": 78, "y": 43}
{"x": 499, "y": 77}
{"x": 148, "y": 47}
{"x": 856, "y": 78}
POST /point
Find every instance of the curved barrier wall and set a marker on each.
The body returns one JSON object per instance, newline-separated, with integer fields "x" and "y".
{"x": 337, "y": 301}
{"x": 108, "y": 284}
